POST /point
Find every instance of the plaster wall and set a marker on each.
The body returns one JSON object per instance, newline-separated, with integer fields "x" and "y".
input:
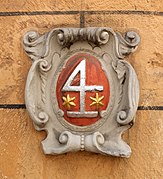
{"x": 21, "y": 156}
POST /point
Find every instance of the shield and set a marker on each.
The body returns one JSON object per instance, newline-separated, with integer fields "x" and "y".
{"x": 81, "y": 90}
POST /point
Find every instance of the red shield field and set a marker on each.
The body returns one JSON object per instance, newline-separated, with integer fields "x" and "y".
{"x": 82, "y": 90}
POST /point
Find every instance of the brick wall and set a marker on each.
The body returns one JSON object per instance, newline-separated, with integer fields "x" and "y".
{"x": 21, "y": 155}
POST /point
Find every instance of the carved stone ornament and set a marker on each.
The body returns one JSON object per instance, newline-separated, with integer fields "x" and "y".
{"x": 80, "y": 90}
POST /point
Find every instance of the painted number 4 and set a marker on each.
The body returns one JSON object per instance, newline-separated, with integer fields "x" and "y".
{"x": 82, "y": 88}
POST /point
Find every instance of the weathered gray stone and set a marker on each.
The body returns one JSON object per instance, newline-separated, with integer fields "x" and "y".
{"x": 49, "y": 53}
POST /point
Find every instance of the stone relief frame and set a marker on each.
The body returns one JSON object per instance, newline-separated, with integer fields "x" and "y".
{"x": 50, "y": 53}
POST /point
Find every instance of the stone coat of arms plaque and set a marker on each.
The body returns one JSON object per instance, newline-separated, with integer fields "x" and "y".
{"x": 80, "y": 90}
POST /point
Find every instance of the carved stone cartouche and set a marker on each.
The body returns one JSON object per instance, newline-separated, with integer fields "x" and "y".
{"x": 80, "y": 90}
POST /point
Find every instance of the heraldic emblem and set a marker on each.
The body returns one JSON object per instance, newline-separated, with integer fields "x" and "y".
{"x": 81, "y": 90}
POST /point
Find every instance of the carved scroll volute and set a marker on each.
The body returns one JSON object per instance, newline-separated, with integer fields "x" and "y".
{"x": 129, "y": 91}
{"x": 80, "y": 90}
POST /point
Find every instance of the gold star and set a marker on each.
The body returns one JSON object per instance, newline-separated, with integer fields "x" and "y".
{"x": 68, "y": 101}
{"x": 97, "y": 101}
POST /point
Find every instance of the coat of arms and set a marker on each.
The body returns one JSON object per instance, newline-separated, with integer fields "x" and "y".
{"x": 81, "y": 90}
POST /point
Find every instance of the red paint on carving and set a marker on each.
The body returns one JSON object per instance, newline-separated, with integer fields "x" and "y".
{"x": 94, "y": 76}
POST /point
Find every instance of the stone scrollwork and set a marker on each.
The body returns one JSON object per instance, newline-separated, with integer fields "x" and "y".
{"x": 80, "y": 90}
{"x": 96, "y": 35}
